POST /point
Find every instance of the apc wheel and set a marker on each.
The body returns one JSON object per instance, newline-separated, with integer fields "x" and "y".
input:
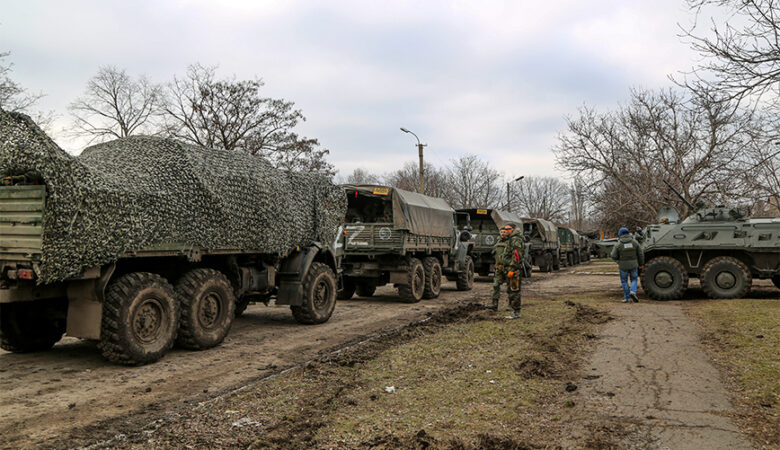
{"x": 207, "y": 308}
{"x": 556, "y": 264}
{"x": 776, "y": 281}
{"x": 725, "y": 277}
{"x": 319, "y": 295}
{"x": 412, "y": 292}
{"x": 432, "y": 268}
{"x": 664, "y": 278}
{"x": 465, "y": 279}
{"x": 140, "y": 319}
{"x": 347, "y": 290}
{"x": 365, "y": 289}
{"x": 32, "y": 326}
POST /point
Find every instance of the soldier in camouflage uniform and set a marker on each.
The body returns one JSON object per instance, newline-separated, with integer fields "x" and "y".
{"x": 508, "y": 252}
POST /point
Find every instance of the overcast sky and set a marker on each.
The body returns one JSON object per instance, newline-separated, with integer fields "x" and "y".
{"x": 496, "y": 79}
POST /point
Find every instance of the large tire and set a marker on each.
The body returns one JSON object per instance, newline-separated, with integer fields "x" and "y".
{"x": 412, "y": 291}
{"x": 32, "y": 326}
{"x": 365, "y": 289}
{"x": 569, "y": 259}
{"x": 664, "y": 278}
{"x": 576, "y": 257}
{"x": 465, "y": 279}
{"x": 726, "y": 277}
{"x": 432, "y": 268}
{"x": 556, "y": 264}
{"x": 140, "y": 319}
{"x": 319, "y": 295}
{"x": 776, "y": 281}
{"x": 546, "y": 263}
{"x": 208, "y": 306}
{"x": 347, "y": 290}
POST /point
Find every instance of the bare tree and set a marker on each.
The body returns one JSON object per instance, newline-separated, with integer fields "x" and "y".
{"x": 744, "y": 59}
{"x": 474, "y": 183}
{"x": 694, "y": 142}
{"x": 578, "y": 196}
{"x": 114, "y": 105}
{"x": 435, "y": 182}
{"x": 541, "y": 197}
{"x": 361, "y": 176}
{"x": 14, "y": 97}
{"x": 231, "y": 114}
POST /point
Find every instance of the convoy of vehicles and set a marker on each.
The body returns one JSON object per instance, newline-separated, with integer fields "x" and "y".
{"x": 544, "y": 249}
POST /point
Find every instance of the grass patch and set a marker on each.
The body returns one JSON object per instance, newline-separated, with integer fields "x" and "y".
{"x": 743, "y": 337}
{"x": 467, "y": 380}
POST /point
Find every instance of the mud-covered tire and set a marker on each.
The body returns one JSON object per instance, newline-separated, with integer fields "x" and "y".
{"x": 32, "y": 326}
{"x": 241, "y": 305}
{"x": 776, "y": 281}
{"x": 208, "y": 306}
{"x": 726, "y": 277}
{"x": 664, "y": 278}
{"x": 432, "y": 268}
{"x": 412, "y": 291}
{"x": 556, "y": 263}
{"x": 546, "y": 263}
{"x": 365, "y": 289}
{"x": 465, "y": 279}
{"x": 319, "y": 295}
{"x": 140, "y": 319}
{"x": 347, "y": 289}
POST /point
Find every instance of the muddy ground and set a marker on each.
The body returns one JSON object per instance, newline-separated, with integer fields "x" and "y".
{"x": 646, "y": 377}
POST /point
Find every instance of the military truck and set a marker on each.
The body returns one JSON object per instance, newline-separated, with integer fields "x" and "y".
{"x": 484, "y": 225}
{"x": 570, "y": 246}
{"x": 408, "y": 239}
{"x": 545, "y": 250}
{"x": 585, "y": 247}
{"x": 141, "y": 243}
{"x": 717, "y": 245}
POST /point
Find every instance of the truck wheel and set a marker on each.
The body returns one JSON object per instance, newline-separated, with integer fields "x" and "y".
{"x": 365, "y": 289}
{"x": 319, "y": 295}
{"x": 347, "y": 290}
{"x": 776, "y": 281}
{"x": 576, "y": 257}
{"x": 140, "y": 319}
{"x": 569, "y": 259}
{"x": 412, "y": 292}
{"x": 556, "y": 264}
{"x": 725, "y": 277}
{"x": 664, "y": 278}
{"x": 465, "y": 279}
{"x": 32, "y": 326}
{"x": 207, "y": 308}
{"x": 432, "y": 268}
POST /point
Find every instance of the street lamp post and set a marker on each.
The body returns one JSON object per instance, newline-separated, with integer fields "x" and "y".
{"x": 420, "y": 148}
{"x": 508, "y": 203}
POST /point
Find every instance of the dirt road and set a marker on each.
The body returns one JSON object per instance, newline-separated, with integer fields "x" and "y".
{"x": 46, "y": 395}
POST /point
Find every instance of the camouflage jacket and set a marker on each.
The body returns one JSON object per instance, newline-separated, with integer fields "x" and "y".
{"x": 509, "y": 251}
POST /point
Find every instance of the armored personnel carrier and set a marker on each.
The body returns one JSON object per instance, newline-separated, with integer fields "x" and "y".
{"x": 717, "y": 245}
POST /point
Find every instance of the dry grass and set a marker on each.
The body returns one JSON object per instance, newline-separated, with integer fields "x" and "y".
{"x": 743, "y": 336}
{"x": 471, "y": 380}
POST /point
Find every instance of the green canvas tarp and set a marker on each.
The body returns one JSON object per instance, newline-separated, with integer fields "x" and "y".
{"x": 420, "y": 214}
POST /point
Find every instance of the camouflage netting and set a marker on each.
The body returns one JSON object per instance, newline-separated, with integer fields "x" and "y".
{"x": 137, "y": 192}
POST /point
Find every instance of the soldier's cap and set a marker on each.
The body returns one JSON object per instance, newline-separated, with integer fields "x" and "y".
{"x": 509, "y": 225}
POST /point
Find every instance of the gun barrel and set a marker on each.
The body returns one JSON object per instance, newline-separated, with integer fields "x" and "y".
{"x": 691, "y": 207}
